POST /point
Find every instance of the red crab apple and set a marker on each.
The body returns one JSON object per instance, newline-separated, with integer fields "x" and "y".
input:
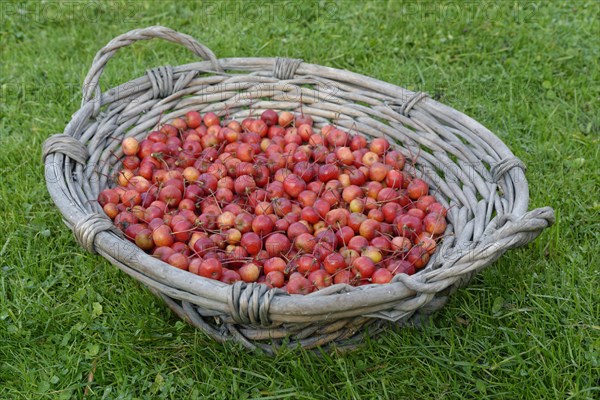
{"x": 417, "y": 256}
{"x": 204, "y": 245}
{"x": 171, "y": 195}
{"x": 262, "y": 225}
{"x": 358, "y": 243}
{"x": 211, "y": 119}
{"x": 437, "y": 208}
{"x": 230, "y": 276}
{"x": 349, "y": 255}
{"x": 111, "y": 210}
{"x": 373, "y": 253}
{"x": 285, "y": 118}
{"x": 244, "y": 184}
{"x": 409, "y": 225}
{"x": 369, "y": 228}
{"x": 269, "y": 117}
{"x": 320, "y": 279}
{"x": 245, "y": 152}
{"x": 307, "y": 198}
{"x": 211, "y": 268}
{"x": 401, "y": 267}
{"x": 274, "y": 264}
{"x": 328, "y": 172}
{"x": 299, "y": 285}
{"x": 131, "y": 162}
{"x": 193, "y": 119}
{"x": 344, "y": 234}
{"x": 401, "y": 243}
{"x": 363, "y": 267}
{"x": 293, "y": 185}
{"x": 417, "y": 188}
{"x": 249, "y": 272}
{"x": 194, "y": 265}
{"x": 394, "y": 179}
{"x": 379, "y": 146}
{"x": 233, "y": 236}
{"x": 179, "y": 123}
{"x": 130, "y": 146}
{"x": 306, "y": 132}
{"x": 416, "y": 213}
{"x": 336, "y": 138}
{"x": 163, "y": 236}
{"x": 277, "y": 244}
{"x": 182, "y": 230}
{"x": 305, "y": 242}
{"x": 337, "y": 218}
{"x": 378, "y": 171}
{"x": 381, "y": 276}
{"x": 304, "y": 119}
{"x": 334, "y": 262}
{"x": 352, "y": 192}
{"x": 321, "y": 250}
{"x": 358, "y": 142}
{"x": 275, "y": 279}
{"x": 376, "y": 215}
{"x": 434, "y": 223}
{"x": 163, "y": 252}
{"x": 178, "y": 260}
{"x": 344, "y": 155}
{"x": 144, "y": 240}
{"x": 395, "y": 159}
{"x": 370, "y": 158}
{"x": 251, "y": 242}
{"x": 307, "y": 264}
{"x": 425, "y": 240}
{"x": 423, "y": 202}
{"x": 344, "y": 276}
{"x": 295, "y": 229}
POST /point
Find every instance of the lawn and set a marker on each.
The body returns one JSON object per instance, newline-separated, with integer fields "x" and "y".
{"x": 528, "y": 327}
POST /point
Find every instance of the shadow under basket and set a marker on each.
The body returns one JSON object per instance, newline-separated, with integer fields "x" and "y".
{"x": 471, "y": 172}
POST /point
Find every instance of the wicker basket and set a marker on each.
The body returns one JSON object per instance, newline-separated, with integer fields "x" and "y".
{"x": 469, "y": 169}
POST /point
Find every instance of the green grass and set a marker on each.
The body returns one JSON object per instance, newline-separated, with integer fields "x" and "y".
{"x": 526, "y": 328}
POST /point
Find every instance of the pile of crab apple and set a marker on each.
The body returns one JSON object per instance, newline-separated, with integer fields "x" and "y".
{"x": 274, "y": 200}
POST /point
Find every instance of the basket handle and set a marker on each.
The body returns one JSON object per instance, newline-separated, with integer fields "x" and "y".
{"x": 517, "y": 232}
{"x": 90, "y": 84}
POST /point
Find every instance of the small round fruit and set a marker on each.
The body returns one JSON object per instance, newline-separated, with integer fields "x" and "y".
{"x": 211, "y": 268}
{"x": 363, "y": 267}
{"x": 417, "y": 188}
{"x": 249, "y": 272}
{"x": 251, "y": 242}
{"x": 277, "y": 244}
{"x": 144, "y": 239}
{"x": 434, "y": 223}
{"x": 381, "y": 276}
{"x": 275, "y": 279}
{"x": 299, "y": 285}
{"x": 163, "y": 236}
{"x": 130, "y": 146}
{"x": 334, "y": 262}
{"x": 178, "y": 260}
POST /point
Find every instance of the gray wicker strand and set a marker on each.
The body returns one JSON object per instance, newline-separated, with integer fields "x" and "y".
{"x": 411, "y": 102}
{"x": 285, "y": 68}
{"x": 505, "y": 165}
{"x": 67, "y": 145}
{"x": 86, "y": 230}
{"x": 91, "y": 80}
{"x": 470, "y": 170}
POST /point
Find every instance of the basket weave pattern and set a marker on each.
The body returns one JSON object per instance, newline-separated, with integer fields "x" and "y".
{"x": 469, "y": 170}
